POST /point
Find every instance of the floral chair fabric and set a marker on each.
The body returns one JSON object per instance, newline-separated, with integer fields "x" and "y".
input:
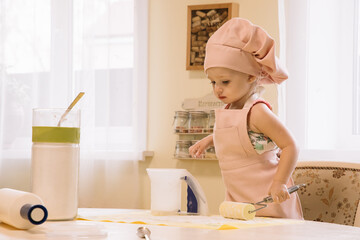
{"x": 332, "y": 191}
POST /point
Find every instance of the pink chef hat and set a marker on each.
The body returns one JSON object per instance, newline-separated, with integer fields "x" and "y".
{"x": 241, "y": 46}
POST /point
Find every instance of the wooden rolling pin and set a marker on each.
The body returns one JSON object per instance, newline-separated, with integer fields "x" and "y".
{"x": 247, "y": 211}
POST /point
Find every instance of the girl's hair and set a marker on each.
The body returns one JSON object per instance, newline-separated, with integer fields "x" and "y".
{"x": 256, "y": 88}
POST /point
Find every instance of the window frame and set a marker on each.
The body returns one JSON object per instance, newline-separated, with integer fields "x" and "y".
{"x": 295, "y": 100}
{"x": 62, "y": 71}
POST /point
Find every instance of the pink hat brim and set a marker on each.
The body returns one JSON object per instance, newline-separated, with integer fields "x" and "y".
{"x": 229, "y": 57}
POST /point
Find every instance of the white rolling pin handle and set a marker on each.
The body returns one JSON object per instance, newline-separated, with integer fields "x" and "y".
{"x": 290, "y": 190}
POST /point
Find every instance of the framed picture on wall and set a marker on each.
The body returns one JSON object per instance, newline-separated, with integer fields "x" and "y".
{"x": 202, "y": 22}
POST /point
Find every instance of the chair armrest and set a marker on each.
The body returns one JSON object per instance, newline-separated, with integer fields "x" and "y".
{"x": 357, "y": 216}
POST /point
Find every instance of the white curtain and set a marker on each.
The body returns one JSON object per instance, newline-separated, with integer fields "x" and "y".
{"x": 52, "y": 50}
{"x": 322, "y": 94}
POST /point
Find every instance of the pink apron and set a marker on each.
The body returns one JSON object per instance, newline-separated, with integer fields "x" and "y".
{"x": 248, "y": 175}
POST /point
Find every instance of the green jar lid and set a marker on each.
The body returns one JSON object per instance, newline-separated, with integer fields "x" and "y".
{"x": 56, "y": 134}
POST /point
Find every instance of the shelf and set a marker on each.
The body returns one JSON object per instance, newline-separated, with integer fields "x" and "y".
{"x": 201, "y": 159}
{"x": 188, "y": 134}
{"x": 187, "y": 157}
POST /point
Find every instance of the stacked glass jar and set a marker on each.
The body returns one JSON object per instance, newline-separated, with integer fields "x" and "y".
{"x": 182, "y": 149}
{"x": 181, "y": 119}
{"x": 193, "y": 122}
{"x": 197, "y": 121}
{"x": 211, "y": 122}
{"x": 210, "y": 152}
{"x": 190, "y": 121}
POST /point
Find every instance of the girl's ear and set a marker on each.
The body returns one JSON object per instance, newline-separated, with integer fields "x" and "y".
{"x": 252, "y": 79}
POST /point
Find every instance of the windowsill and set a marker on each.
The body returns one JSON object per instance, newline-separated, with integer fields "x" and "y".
{"x": 148, "y": 154}
{"x": 100, "y": 155}
{"x": 116, "y": 155}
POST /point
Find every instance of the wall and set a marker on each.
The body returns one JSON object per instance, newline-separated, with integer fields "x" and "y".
{"x": 170, "y": 84}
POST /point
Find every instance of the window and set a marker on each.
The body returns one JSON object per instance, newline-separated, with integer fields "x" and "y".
{"x": 52, "y": 50}
{"x": 322, "y": 93}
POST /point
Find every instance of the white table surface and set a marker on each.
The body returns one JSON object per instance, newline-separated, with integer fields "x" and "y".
{"x": 108, "y": 230}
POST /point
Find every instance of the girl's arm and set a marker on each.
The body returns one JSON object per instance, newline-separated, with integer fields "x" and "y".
{"x": 198, "y": 148}
{"x": 261, "y": 119}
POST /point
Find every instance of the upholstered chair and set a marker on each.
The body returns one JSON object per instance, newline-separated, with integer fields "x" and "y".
{"x": 332, "y": 191}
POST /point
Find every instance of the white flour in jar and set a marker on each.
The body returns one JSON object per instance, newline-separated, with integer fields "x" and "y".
{"x": 55, "y": 173}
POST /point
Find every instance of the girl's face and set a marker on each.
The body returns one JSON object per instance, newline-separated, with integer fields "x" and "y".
{"x": 231, "y": 86}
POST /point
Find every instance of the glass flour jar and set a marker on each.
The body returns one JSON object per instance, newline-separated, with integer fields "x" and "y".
{"x": 55, "y": 161}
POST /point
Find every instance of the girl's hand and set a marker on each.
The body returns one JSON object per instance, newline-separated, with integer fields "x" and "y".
{"x": 279, "y": 192}
{"x": 198, "y": 148}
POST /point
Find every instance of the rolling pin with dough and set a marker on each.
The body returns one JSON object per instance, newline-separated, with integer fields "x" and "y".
{"x": 247, "y": 211}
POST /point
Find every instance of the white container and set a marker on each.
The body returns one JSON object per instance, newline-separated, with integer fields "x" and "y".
{"x": 55, "y": 161}
{"x": 166, "y": 191}
{"x": 20, "y": 209}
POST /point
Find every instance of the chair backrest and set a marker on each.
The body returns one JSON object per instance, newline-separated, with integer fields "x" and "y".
{"x": 332, "y": 191}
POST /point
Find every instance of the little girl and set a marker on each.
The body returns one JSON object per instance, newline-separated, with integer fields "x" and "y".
{"x": 248, "y": 137}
